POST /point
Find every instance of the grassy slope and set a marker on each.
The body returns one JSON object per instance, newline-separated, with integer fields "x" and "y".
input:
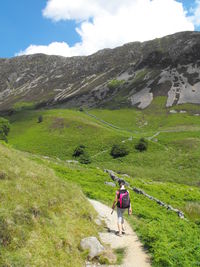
{"x": 170, "y": 240}
{"x": 175, "y": 154}
{"x": 59, "y": 133}
{"x": 42, "y": 218}
{"x": 174, "y": 157}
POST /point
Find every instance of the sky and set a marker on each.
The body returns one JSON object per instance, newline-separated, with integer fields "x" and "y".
{"x": 82, "y": 27}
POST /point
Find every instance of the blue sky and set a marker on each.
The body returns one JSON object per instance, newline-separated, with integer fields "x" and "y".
{"x": 22, "y": 24}
{"x": 60, "y": 27}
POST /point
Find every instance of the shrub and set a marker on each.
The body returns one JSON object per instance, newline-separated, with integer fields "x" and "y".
{"x": 79, "y": 150}
{"x": 119, "y": 150}
{"x": 142, "y": 145}
{"x": 85, "y": 158}
{"x": 113, "y": 84}
{"x": 2, "y": 175}
{"x": 4, "y": 129}
{"x": 40, "y": 119}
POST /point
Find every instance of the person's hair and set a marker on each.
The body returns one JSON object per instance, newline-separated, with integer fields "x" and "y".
{"x": 121, "y": 182}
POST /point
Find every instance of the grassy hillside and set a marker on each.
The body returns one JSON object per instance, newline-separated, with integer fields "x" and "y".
{"x": 170, "y": 240}
{"x": 154, "y": 118}
{"x": 59, "y": 133}
{"x": 173, "y": 153}
{"x": 42, "y": 218}
{"x": 172, "y": 160}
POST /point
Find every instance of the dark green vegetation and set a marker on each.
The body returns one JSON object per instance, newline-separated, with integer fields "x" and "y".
{"x": 168, "y": 170}
{"x": 142, "y": 145}
{"x": 4, "y": 129}
{"x": 42, "y": 218}
{"x": 119, "y": 150}
{"x": 79, "y": 150}
{"x": 81, "y": 153}
{"x": 40, "y": 119}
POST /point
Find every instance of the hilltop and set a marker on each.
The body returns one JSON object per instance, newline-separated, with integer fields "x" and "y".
{"x": 130, "y": 75}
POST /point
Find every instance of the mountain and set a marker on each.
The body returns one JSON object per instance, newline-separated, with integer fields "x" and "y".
{"x": 130, "y": 75}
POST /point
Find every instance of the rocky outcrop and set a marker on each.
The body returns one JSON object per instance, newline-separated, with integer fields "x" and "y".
{"x": 168, "y": 66}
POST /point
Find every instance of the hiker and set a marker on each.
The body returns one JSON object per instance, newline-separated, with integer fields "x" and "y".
{"x": 123, "y": 202}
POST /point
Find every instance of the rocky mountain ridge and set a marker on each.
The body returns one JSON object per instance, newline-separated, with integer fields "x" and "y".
{"x": 130, "y": 75}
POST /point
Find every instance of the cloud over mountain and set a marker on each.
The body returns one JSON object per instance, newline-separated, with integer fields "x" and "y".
{"x": 107, "y": 24}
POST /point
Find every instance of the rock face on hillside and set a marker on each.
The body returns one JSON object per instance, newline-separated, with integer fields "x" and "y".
{"x": 130, "y": 75}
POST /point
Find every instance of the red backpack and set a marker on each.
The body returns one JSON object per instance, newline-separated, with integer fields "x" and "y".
{"x": 123, "y": 199}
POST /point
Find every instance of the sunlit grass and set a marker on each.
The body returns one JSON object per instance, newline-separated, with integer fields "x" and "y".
{"x": 42, "y": 218}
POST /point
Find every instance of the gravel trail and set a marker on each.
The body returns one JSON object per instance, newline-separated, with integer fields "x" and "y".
{"x": 135, "y": 254}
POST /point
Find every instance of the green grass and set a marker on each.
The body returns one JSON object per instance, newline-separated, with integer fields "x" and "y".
{"x": 170, "y": 240}
{"x": 174, "y": 157}
{"x": 18, "y": 106}
{"x": 154, "y": 118}
{"x": 42, "y": 218}
{"x": 168, "y": 170}
{"x": 120, "y": 252}
{"x": 115, "y": 83}
{"x": 59, "y": 133}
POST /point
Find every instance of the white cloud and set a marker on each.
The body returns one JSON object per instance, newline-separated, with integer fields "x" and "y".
{"x": 110, "y": 23}
{"x": 55, "y": 48}
{"x": 196, "y": 14}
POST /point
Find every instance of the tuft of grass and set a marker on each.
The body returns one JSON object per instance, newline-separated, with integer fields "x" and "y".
{"x": 120, "y": 252}
{"x": 192, "y": 209}
{"x": 113, "y": 84}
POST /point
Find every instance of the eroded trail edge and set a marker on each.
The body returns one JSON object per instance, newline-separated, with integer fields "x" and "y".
{"x": 135, "y": 254}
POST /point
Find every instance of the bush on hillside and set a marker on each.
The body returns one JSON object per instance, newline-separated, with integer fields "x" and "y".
{"x": 4, "y": 129}
{"x": 85, "y": 158}
{"x": 40, "y": 119}
{"x": 81, "y": 153}
{"x": 119, "y": 150}
{"x": 79, "y": 150}
{"x": 142, "y": 145}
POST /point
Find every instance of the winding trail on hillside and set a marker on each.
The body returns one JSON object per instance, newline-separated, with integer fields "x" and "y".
{"x": 105, "y": 122}
{"x": 135, "y": 255}
{"x": 121, "y": 129}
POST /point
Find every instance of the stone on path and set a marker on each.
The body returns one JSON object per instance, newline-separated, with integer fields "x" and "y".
{"x": 94, "y": 246}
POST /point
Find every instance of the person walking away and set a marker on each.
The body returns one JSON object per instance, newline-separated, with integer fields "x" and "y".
{"x": 122, "y": 199}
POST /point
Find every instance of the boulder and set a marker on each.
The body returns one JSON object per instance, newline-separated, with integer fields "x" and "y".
{"x": 173, "y": 111}
{"x": 72, "y": 161}
{"x": 94, "y": 246}
{"x": 110, "y": 184}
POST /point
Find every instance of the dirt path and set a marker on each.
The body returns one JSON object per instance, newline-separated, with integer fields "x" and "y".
{"x": 135, "y": 254}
